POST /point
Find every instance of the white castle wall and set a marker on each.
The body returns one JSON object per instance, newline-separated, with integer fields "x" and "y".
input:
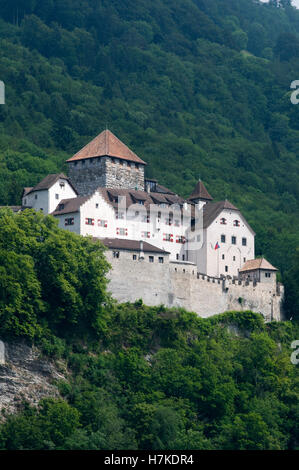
{"x": 177, "y": 284}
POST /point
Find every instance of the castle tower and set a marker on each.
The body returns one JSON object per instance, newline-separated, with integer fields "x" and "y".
{"x": 108, "y": 163}
{"x": 200, "y": 195}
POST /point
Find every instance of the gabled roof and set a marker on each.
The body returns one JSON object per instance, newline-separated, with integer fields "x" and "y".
{"x": 163, "y": 190}
{"x": 26, "y": 191}
{"x": 200, "y": 192}
{"x": 211, "y": 210}
{"x": 109, "y": 195}
{"x": 67, "y": 206}
{"x": 131, "y": 245}
{"x": 259, "y": 263}
{"x": 48, "y": 182}
{"x": 106, "y": 144}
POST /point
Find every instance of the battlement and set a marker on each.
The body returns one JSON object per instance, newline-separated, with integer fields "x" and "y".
{"x": 178, "y": 284}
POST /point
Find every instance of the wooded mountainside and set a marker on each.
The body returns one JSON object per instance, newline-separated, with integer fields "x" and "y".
{"x": 135, "y": 377}
{"x": 195, "y": 87}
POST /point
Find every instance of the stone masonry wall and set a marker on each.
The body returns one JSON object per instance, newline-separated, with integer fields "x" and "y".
{"x": 177, "y": 284}
{"x": 89, "y": 174}
{"x": 124, "y": 175}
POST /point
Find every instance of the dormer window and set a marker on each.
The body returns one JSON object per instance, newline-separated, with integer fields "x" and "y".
{"x": 141, "y": 202}
{"x": 62, "y": 184}
{"x": 236, "y": 223}
{"x": 60, "y": 207}
{"x": 223, "y": 221}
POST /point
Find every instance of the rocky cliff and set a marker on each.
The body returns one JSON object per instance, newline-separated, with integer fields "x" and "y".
{"x": 24, "y": 376}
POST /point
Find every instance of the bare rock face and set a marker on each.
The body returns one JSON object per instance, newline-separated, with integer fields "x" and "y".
{"x": 24, "y": 376}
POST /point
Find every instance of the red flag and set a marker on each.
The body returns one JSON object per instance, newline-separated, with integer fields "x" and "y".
{"x": 217, "y": 246}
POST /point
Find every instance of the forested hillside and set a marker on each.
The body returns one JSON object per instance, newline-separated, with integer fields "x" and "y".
{"x": 195, "y": 87}
{"x": 135, "y": 377}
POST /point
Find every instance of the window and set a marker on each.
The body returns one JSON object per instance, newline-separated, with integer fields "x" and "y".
{"x": 234, "y": 258}
{"x": 83, "y": 162}
{"x": 146, "y": 219}
{"x": 223, "y": 221}
{"x": 176, "y": 223}
{"x": 115, "y": 254}
{"x": 177, "y": 256}
{"x": 102, "y": 223}
{"x": 236, "y": 223}
{"x": 122, "y": 231}
{"x": 244, "y": 260}
{"x": 234, "y": 240}
{"x": 145, "y": 234}
{"x": 222, "y": 238}
{"x": 97, "y": 205}
{"x": 226, "y": 269}
{"x": 151, "y": 259}
{"x": 168, "y": 237}
{"x": 35, "y": 197}
{"x": 89, "y": 221}
{"x": 267, "y": 274}
{"x": 25, "y": 201}
{"x": 60, "y": 207}
{"x": 141, "y": 202}
{"x": 120, "y": 215}
{"x": 183, "y": 257}
{"x": 180, "y": 239}
{"x": 56, "y": 196}
{"x": 161, "y": 259}
{"x": 223, "y": 256}
{"x": 168, "y": 221}
{"x": 244, "y": 241}
{"x": 69, "y": 221}
{"x": 134, "y": 257}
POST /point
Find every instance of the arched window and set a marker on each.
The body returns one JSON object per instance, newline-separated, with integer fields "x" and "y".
{"x": 223, "y": 221}
{"x": 236, "y": 223}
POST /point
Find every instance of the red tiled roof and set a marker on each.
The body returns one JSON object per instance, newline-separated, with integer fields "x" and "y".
{"x": 259, "y": 263}
{"x": 131, "y": 245}
{"x": 106, "y": 144}
{"x": 200, "y": 192}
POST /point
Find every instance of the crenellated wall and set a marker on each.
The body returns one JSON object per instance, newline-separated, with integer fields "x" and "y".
{"x": 177, "y": 284}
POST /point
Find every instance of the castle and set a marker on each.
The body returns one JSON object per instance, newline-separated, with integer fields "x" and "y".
{"x": 193, "y": 253}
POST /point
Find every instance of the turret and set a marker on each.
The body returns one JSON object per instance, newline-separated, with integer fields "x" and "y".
{"x": 200, "y": 195}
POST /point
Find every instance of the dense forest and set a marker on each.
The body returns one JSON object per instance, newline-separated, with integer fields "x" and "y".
{"x": 136, "y": 377}
{"x": 195, "y": 87}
